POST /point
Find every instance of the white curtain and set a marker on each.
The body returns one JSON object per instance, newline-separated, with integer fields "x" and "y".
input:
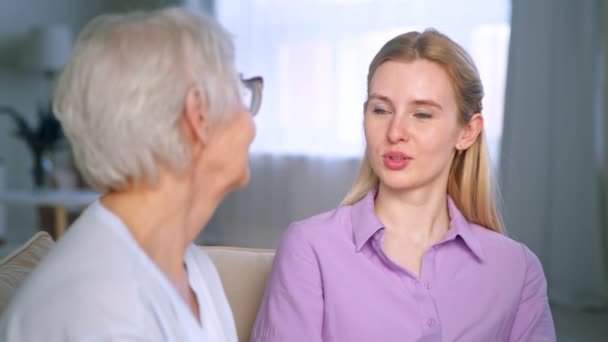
{"x": 314, "y": 56}
{"x": 282, "y": 189}
{"x": 552, "y": 143}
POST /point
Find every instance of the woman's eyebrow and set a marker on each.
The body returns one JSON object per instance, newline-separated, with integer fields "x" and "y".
{"x": 416, "y": 102}
{"x": 379, "y": 97}
{"x": 427, "y": 102}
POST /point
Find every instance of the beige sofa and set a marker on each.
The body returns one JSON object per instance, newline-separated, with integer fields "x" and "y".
{"x": 244, "y": 273}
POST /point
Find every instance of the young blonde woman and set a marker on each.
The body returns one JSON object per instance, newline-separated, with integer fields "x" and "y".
{"x": 416, "y": 252}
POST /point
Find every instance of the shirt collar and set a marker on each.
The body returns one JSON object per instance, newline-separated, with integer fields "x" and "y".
{"x": 364, "y": 221}
{"x": 365, "y": 224}
{"x": 459, "y": 226}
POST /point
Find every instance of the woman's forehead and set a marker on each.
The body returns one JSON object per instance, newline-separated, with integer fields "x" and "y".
{"x": 417, "y": 81}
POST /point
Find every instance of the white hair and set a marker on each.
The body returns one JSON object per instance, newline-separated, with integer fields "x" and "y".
{"x": 121, "y": 95}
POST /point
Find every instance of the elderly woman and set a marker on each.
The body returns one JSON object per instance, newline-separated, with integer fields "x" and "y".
{"x": 161, "y": 125}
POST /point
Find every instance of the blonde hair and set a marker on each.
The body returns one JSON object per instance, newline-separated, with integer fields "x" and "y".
{"x": 470, "y": 182}
{"x": 121, "y": 94}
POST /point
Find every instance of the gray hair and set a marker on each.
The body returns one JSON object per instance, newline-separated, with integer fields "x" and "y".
{"x": 121, "y": 95}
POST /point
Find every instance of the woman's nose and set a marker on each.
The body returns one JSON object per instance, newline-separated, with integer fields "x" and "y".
{"x": 398, "y": 129}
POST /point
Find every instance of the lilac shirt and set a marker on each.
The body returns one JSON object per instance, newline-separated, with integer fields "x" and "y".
{"x": 331, "y": 281}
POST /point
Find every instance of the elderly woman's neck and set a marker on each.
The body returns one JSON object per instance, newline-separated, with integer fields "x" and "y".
{"x": 164, "y": 218}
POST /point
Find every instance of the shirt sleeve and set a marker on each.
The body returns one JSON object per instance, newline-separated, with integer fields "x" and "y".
{"x": 292, "y": 308}
{"x": 533, "y": 321}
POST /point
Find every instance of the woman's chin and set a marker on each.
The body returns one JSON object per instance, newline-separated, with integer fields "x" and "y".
{"x": 243, "y": 181}
{"x": 397, "y": 184}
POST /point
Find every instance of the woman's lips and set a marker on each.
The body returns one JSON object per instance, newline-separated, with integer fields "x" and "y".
{"x": 395, "y": 160}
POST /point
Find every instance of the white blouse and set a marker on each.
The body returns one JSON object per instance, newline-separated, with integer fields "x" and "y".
{"x": 97, "y": 284}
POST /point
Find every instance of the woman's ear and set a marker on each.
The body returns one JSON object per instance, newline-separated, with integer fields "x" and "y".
{"x": 195, "y": 115}
{"x": 470, "y": 132}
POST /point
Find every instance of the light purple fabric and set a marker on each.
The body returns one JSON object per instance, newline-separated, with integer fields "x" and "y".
{"x": 332, "y": 282}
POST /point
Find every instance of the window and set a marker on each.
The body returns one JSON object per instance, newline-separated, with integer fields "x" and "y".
{"x": 314, "y": 57}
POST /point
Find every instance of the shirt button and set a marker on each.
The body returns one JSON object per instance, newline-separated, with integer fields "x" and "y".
{"x": 431, "y": 322}
{"x": 427, "y": 285}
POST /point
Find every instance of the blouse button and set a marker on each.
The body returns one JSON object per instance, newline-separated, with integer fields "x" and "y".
{"x": 431, "y": 322}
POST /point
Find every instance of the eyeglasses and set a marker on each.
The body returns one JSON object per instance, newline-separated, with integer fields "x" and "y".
{"x": 251, "y": 93}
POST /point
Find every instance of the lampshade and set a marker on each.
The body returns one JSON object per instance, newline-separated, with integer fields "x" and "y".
{"x": 196, "y": 5}
{"x": 47, "y": 48}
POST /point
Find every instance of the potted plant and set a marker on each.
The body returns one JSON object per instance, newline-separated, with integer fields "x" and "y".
{"x": 41, "y": 139}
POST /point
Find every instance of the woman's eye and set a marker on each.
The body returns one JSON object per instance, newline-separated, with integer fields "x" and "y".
{"x": 422, "y": 115}
{"x": 378, "y": 110}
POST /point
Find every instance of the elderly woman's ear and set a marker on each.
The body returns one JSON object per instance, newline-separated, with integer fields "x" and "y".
{"x": 195, "y": 117}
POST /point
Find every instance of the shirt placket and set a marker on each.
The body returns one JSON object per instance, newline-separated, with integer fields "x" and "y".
{"x": 422, "y": 289}
{"x": 424, "y": 286}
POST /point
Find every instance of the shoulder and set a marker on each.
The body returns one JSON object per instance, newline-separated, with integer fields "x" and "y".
{"x": 89, "y": 279}
{"x": 494, "y": 240}
{"x": 512, "y": 256}
{"x": 501, "y": 244}
{"x": 89, "y": 251}
{"x": 96, "y": 241}
{"x": 318, "y": 228}
{"x": 306, "y": 244}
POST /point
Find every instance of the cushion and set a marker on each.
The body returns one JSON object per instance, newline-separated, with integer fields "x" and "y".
{"x": 15, "y": 267}
{"x": 244, "y": 273}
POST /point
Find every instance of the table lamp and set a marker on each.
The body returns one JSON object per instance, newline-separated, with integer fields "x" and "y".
{"x": 47, "y": 49}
